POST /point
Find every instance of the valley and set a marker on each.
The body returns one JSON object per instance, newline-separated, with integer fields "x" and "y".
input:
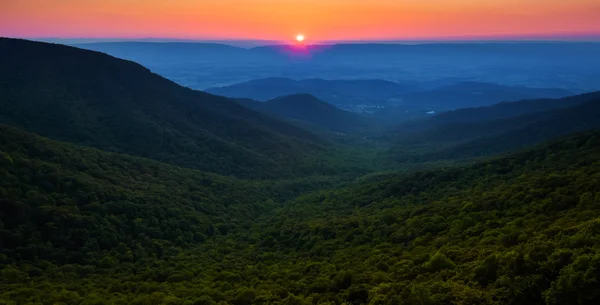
{"x": 122, "y": 186}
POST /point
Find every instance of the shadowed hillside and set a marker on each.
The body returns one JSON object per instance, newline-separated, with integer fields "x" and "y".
{"x": 93, "y": 99}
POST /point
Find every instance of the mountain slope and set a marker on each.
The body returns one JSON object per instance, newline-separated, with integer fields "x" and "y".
{"x": 477, "y": 136}
{"x": 557, "y": 123}
{"x": 66, "y": 203}
{"x": 503, "y": 231}
{"x": 78, "y": 202}
{"x": 509, "y": 110}
{"x": 93, "y": 99}
{"x": 307, "y": 109}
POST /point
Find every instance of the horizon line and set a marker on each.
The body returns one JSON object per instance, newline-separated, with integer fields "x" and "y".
{"x": 249, "y": 42}
{"x": 257, "y": 42}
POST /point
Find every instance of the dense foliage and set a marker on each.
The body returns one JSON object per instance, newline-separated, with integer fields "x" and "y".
{"x": 513, "y": 230}
{"x": 517, "y": 230}
{"x": 70, "y": 204}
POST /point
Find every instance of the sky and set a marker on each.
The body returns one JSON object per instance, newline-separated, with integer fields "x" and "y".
{"x": 282, "y": 20}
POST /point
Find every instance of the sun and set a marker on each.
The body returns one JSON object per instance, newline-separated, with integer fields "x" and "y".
{"x": 299, "y": 38}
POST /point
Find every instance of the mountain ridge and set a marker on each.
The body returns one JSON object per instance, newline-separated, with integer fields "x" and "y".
{"x": 94, "y": 99}
{"x": 496, "y": 129}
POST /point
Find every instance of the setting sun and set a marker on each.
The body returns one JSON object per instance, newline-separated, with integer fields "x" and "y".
{"x": 300, "y": 38}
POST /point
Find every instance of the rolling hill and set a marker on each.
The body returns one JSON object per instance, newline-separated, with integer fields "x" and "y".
{"x": 93, "y": 99}
{"x": 309, "y": 111}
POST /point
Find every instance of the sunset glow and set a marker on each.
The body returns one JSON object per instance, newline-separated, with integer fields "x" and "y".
{"x": 322, "y": 20}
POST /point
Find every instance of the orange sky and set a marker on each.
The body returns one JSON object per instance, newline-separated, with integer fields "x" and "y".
{"x": 319, "y": 20}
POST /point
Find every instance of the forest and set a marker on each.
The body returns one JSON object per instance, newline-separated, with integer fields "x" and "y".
{"x": 81, "y": 226}
{"x": 448, "y": 210}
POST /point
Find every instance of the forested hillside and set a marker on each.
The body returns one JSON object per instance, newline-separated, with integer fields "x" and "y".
{"x": 93, "y": 99}
{"x": 522, "y": 229}
{"x": 513, "y": 230}
{"x": 69, "y": 204}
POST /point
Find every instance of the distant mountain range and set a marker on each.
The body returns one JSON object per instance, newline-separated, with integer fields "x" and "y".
{"x": 520, "y": 51}
{"x": 389, "y": 101}
{"x": 352, "y": 95}
{"x": 569, "y": 65}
